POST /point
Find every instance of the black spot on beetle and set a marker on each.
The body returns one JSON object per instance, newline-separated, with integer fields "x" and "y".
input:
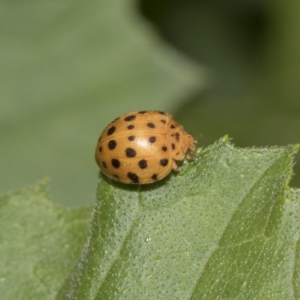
{"x": 111, "y": 130}
{"x": 151, "y": 125}
{"x": 112, "y": 144}
{"x": 164, "y": 148}
{"x": 143, "y": 164}
{"x": 142, "y": 112}
{"x": 130, "y": 152}
{"x": 163, "y": 121}
{"x": 162, "y": 112}
{"x": 164, "y": 162}
{"x": 100, "y": 149}
{"x": 154, "y": 177}
{"x": 130, "y": 118}
{"x": 131, "y": 138}
{"x": 173, "y": 146}
{"x": 177, "y": 136}
{"x": 152, "y": 139}
{"x": 133, "y": 177}
{"x": 130, "y": 127}
{"x": 104, "y": 164}
{"x": 116, "y": 163}
{"x": 173, "y": 126}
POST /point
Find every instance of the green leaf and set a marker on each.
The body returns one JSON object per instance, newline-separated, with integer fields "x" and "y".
{"x": 225, "y": 227}
{"x": 40, "y": 243}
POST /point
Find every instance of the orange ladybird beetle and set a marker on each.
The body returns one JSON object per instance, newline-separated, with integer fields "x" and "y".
{"x": 142, "y": 147}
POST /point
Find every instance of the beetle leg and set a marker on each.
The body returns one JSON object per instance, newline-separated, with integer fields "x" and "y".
{"x": 174, "y": 166}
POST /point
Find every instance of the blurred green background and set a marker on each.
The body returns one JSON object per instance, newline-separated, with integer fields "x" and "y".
{"x": 70, "y": 67}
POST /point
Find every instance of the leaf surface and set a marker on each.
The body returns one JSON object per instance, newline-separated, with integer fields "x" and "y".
{"x": 40, "y": 243}
{"x": 221, "y": 228}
